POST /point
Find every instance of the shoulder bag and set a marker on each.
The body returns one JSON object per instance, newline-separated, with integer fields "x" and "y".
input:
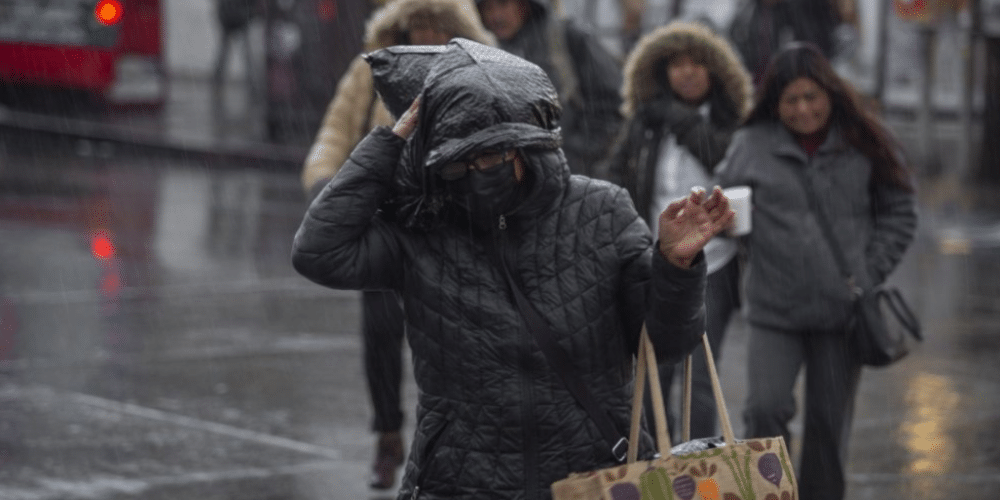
{"x": 881, "y": 321}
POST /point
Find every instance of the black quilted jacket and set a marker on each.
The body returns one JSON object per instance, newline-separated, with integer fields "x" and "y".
{"x": 493, "y": 420}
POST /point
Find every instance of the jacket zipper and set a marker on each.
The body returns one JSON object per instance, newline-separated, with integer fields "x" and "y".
{"x": 427, "y": 459}
{"x": 527, "y": 423}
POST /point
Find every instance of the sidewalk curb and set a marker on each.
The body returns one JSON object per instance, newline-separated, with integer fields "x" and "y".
{"x": 263, "y": 154}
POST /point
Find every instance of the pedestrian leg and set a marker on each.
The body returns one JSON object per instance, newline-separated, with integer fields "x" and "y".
{"x": 222, "y": 59}
{"x": 721, "y": 299}
{"x": 383, "y": 357}
{"x": 383, "y": 327}
{"x": 773, "y": 362}
{"x": 832, "y": 376}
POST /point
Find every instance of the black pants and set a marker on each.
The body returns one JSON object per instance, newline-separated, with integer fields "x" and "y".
{"x": 721, "y": 300}
{"x": 382, "y": 329}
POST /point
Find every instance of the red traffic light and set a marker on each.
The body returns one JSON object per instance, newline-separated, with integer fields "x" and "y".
{"x": 108, "y": 12}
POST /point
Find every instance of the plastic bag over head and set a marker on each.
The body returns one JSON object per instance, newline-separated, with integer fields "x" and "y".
{"x": 473, "y": 98}
{"x": 398, "y": 73}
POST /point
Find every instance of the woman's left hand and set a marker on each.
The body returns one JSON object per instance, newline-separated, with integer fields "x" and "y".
{"x": 688, "y": 224}
{"x": 408, "y": 122}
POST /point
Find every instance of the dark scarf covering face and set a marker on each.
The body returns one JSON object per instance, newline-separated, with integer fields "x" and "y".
{"x": 485, "y": 195}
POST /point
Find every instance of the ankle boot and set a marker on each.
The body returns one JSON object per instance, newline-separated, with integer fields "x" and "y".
{"x": 388, "y": 457}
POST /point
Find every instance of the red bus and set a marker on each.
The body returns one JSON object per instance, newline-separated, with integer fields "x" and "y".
{"x": 110, "y": 48}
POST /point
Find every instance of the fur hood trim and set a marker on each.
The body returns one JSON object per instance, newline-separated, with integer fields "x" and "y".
{"x": 389, "y": 24}
{"x": 641, "y": 83}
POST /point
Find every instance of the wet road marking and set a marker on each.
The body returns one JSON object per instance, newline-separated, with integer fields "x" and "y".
{"x": 315, "y": 343}
{"x": 204, "y": 425}
{"x": 108, "y": 486}
{"x": 188, "y": 290}
{"x": 310, "y": 344}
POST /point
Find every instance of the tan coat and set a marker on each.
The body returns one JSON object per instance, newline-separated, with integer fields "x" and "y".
{"x": 355, "y": 108}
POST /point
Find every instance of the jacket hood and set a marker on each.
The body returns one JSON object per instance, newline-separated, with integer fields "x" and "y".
{"x": 645, "y": 63}
{"x": 473, "y": 98}
{"x": 388, "y": 25}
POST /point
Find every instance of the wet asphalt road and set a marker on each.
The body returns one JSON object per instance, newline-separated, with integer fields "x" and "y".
{"x": 156, "y": 344}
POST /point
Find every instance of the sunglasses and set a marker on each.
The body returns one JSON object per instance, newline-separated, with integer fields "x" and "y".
{"x": 458, "y": 169}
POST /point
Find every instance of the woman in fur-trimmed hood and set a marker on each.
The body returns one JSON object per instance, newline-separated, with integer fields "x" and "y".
{"x": 700, "y": 125}
{"x": 684, "y": 93}
{"x": 650, "y": 103}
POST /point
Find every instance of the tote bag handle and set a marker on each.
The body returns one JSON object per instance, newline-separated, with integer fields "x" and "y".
{"x": 647, "y": 368}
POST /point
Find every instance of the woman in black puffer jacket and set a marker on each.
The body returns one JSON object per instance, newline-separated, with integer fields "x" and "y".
{"x": 493, "y": 419}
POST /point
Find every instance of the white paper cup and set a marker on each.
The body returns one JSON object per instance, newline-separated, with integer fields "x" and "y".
{"x": 739, "y": 202}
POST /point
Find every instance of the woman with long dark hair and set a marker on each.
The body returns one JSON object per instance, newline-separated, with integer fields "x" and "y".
{"x": 811, "y": 153}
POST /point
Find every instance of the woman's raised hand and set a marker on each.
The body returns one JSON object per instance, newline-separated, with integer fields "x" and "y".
{"x": 689, "y": 223}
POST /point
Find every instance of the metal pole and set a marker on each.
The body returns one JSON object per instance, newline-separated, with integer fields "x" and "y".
{"x": 589, "y": 12}
{"x": 965, "y": 143}
{"x": 989, "y": 165}
{"x": 882, "y": 49}
{"x": 987, "y": 171}
{"x": 675, "y": 9}
{"x": 925, "y": 108}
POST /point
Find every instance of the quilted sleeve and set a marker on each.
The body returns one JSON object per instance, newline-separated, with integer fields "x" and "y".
{"x": 676, "y": 315}
{"x": 342, "y": 242}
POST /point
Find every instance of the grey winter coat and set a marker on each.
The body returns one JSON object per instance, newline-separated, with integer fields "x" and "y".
{"x": 792, "y": 280}
{"x": 493, "y": 419}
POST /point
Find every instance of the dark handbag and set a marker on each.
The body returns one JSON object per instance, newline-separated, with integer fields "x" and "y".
{"x": 881, "y": 322}
{"x": 881, "y": 325}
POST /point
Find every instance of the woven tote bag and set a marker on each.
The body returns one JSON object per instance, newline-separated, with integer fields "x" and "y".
{"x": 704, "y": 469}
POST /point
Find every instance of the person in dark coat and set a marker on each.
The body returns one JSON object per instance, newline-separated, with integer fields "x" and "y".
{"x": 352, "y": 113}
{"x": 586, "y": 75}
{"x": 685, "y": 94}
{"x": 467, "y": 194}
{"x": 234, "y": 18}
{"x": 808, "y": 128}
{"x": 761, "y": 27}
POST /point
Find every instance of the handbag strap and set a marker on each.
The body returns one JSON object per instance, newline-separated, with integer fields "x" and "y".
{"x": 824, "y": 225}
{"x": 646, "y": 364}
{"x": 686, "y": 399}
{"x": 892, "y": 295}
{"x": 563, "y": 366}
{"x": 902, "y": 311}
{"x": 720, "y": 401}
{"x": 647, "y": 368}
